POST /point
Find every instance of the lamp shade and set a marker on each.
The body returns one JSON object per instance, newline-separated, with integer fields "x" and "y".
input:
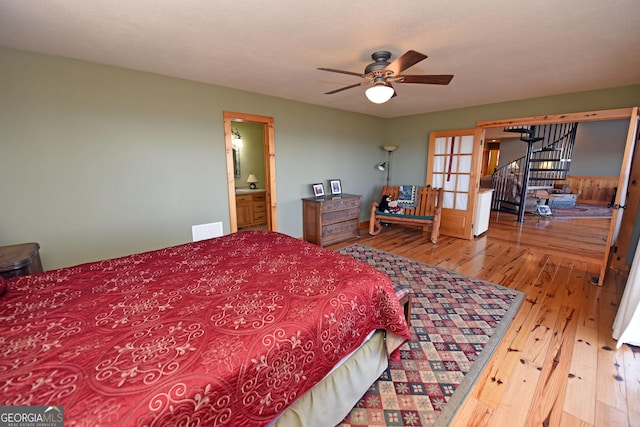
{"x": 382, "y": 166}
{"x": 390, "y": 148}
{"x": 252, "y": 179}
{"x": 379, "y": 94}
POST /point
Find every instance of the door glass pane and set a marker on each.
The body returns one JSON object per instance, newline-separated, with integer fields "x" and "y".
{"x": 463, "y": 183}
{"x": 461, "y": 201}
{"x": 447, "y": 200}
{"x": 437, "y": 180}
{"x": 466, "y": 144}
{"x": 465, "y": 164}
{"x": 452, "y": 164}
{"x": 438, "y": 164}
{"x": 441, "y": 146}
{"x": 450, "y": 183}
{"x": 456, "y": 145}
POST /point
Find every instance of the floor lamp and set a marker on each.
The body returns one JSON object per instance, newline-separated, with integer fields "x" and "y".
{"x": 387, "y": 165}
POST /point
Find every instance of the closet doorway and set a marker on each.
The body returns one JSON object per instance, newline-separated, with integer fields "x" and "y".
{"x": 269, "y": 165}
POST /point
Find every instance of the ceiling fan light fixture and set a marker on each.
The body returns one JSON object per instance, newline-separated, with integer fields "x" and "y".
{"x": 379, "y": 93}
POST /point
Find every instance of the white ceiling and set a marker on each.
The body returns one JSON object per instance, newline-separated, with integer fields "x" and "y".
{"x": 498, "y": 50}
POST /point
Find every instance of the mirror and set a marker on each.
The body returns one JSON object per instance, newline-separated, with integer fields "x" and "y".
{"x": 236, "y": 162}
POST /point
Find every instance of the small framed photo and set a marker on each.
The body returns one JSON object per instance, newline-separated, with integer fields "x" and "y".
{"x": 544, "y": 210}
{"x": 318, "y": 189}
{"x": 336, "y": 186}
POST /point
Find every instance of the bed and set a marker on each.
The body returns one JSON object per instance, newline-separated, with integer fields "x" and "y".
{"x": 250, "y": 329}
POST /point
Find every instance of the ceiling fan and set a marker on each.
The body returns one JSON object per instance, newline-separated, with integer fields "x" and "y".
{"x": 381, "y": 73}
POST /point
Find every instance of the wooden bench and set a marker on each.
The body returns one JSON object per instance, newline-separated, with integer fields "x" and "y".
{"x": 426, "y": 213}
{"x": 404, "y": 296}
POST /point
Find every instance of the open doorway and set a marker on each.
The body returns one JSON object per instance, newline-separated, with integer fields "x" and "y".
{"x": 629, "y": 116}
{"x": 251, "y": 183}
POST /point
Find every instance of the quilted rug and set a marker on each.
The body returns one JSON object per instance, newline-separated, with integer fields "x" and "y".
{"x": 457, "y": 322}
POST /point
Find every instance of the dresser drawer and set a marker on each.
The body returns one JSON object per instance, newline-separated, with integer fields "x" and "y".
{"x": 341, "y": 204}
{"x": 340, "y": 216}
{"x": 259, "y": 206}
{"x": 340, "y": 231}
{"x": 245, "y": 198}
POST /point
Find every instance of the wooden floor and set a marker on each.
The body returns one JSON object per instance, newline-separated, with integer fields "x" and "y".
{"x": 557, "y": 364}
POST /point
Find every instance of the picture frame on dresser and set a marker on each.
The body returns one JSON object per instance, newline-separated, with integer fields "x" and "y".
{"x": 318, "y": 189}
{"x": 336, "y": 186}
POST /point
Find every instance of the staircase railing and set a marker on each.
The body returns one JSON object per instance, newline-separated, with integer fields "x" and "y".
{"x": 548, "y": 159}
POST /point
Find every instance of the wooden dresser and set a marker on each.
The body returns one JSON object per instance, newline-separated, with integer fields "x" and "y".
{"x": 331, "y": 219}
{"x": 251, "y": 208}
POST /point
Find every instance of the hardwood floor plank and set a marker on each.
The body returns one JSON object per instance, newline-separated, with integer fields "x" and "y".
{"x": 607, "y": 416}
{"x": 569, "y": 420}
{"x": 520, "y": 389}
{"x": 580, "y": 398}
{"x": 546, "y": 408}
{"x": 631, "y": 356}
{"x": 610, "y": 388}
{"x": 475, "y": 413}
{"x": 575, "y": 286}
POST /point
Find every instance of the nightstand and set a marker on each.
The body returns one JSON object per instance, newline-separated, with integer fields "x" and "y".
{"x": 20, "y": 260}
{"x": 331, "y": 219}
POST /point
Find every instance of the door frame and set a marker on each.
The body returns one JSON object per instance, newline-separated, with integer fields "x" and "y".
{"x": 269, "y": 166}
{"x": 592, "y": 116}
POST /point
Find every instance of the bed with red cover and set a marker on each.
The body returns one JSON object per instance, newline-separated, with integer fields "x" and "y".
{"x": 226, "y": 331}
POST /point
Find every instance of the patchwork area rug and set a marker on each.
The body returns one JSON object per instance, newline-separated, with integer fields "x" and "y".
{"x": 457, "y": 322}
{"x": 583, "y": 210}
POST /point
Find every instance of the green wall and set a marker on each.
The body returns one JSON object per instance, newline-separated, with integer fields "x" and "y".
{"x": 99, "y": 161}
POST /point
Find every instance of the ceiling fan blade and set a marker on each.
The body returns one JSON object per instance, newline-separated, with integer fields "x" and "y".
{"x": 333, "y": 70}
{"x": 408, "y": 59}
{"x": 345, "y": 88}
{"x": 434, "y": 79}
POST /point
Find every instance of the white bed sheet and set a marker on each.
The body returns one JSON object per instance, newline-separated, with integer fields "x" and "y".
{"x": 329, "y": 401}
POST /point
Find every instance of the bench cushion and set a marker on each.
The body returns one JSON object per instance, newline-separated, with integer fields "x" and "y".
{"x": 389, "y": 214}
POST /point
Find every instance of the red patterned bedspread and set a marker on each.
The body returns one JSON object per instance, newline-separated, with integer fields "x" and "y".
{"x": 227, "y": 331}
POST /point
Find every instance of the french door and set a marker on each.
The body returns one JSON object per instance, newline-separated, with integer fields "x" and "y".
{"x": 454, "y": 164}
